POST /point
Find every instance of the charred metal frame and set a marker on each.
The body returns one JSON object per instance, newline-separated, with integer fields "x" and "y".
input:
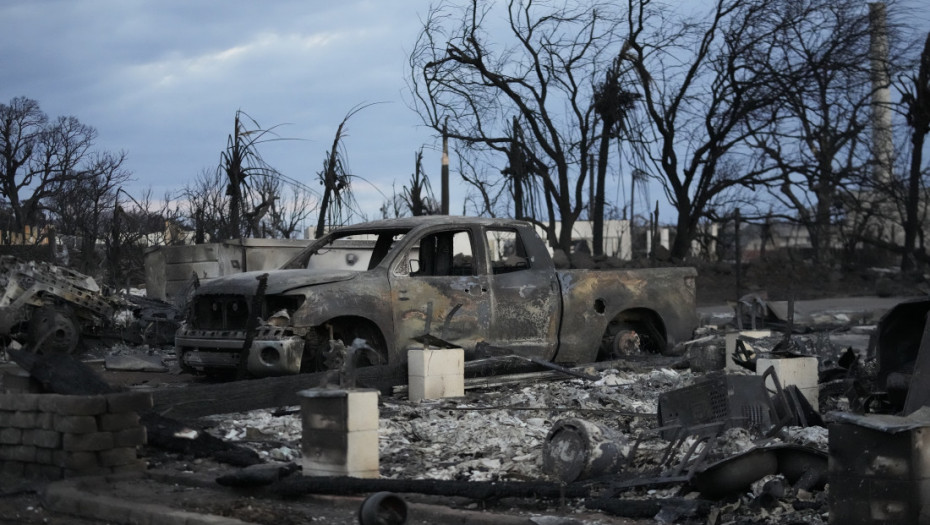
{"x": 551, "y": 315}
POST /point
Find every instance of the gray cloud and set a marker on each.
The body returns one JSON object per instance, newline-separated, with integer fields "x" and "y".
{"x": 163, "y": 80}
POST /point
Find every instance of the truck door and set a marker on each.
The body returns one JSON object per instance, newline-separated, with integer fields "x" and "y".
{"x": 438, "y": 291}
{"x": 525, "y": 297}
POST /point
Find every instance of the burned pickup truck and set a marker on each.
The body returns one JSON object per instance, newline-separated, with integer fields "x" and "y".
{"x": 484, "y": 285}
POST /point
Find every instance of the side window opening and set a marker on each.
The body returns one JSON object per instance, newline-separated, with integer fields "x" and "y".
{"x": 506, "y": 251}
{"x": 442, "y": 254}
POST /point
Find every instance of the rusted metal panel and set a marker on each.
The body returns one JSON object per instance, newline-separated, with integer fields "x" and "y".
{"x": 594, "y": 298}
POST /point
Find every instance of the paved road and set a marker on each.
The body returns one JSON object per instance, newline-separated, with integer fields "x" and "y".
{"x": 865, "y": 309}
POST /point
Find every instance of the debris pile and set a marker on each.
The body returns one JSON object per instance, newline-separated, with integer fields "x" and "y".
{"x": 499, "y": 436}
{"x": 56, "y": 309}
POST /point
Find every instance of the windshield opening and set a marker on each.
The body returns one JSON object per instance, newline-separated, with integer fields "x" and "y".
{"x": 355, "y": 251}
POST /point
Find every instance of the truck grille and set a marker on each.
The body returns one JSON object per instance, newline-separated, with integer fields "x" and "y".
{"x": 231, "y": 312}
{"x": 219, "y": 312}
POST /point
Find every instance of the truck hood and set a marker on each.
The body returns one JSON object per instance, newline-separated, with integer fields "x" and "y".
{"x": 279, "y": 281}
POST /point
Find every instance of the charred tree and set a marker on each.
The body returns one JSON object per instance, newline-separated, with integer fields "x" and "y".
{"x": 916, "y": 100}
{"x": 540, "y": 69}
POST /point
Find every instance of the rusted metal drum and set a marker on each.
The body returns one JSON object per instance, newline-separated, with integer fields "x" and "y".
{"x": 576, "y": 449}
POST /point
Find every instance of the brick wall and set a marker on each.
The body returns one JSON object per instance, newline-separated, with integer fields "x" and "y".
{"x": 53, "y": 436}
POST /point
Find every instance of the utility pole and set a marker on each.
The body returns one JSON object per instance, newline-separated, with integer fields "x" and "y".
{"x": 882, "y": 139}
{"x": 517, "y": 169}
{"x": 445, "y": 168}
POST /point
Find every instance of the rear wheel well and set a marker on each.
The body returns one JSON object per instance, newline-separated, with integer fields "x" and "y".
{"x": 643, "y": 324}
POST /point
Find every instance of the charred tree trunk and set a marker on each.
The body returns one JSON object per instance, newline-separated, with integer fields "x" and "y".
{"x": 918, "y": 117}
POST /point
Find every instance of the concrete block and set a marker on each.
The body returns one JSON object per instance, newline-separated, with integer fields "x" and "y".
{"x": 18, "y": 381}
{"x": 77, "y": 461}
{"x": 22, "y": 453}
{"x": 12, "y": 468}
{"x": 117, "y": 421}
{"x": 16, "y": 401}
{"x": 87, "y": 442}
{"x": 19, "y": 419}
{"x": 439, "y": 362}
{"x": 11, "y": 436}
{"x": 42, "y": 438}
{"x": 74, "y": 405}
{"x": 745, "y": 336}
{"x": 340, "y": 431}
{"x": 434, "y": 374}
{"x": 45, "y": 420}
{"x": 345, "y": 410}
{"x": 75, "y": 424}
{"x": 801, "y": 372}
{"x": 339, "y": 453}
{"x": 435, "y": 387}
{"x": 813, "y": 396}
{"x": 131, "y": 437}
{"x": 45, "y": 456}
{"x": 730, "y": 339}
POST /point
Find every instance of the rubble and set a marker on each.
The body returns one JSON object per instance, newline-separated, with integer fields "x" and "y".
{"x": 54, "y": 308}
{"x": 499, "y": 435}
{"x": 765, "y": 467}
{"x": 50, "y": 304}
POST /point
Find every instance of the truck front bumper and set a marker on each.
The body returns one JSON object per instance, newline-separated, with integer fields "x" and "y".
{"x": 271, "y": 353}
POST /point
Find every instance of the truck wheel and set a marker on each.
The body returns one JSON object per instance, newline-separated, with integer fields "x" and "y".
{"x": 54, "y": 329}
{"x": 317, "y": 354}
{"x": 620, "y": 340}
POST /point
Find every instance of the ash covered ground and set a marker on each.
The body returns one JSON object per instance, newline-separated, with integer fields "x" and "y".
{"x": 499, "y": 434}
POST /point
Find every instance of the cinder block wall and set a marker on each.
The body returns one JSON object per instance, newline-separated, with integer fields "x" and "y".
{"x": 53, "y": 436}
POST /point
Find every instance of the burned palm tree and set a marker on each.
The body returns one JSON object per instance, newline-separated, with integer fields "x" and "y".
{"x": 241, "y": 163}
{"x": 418, "y": 196}
{"x": 611, "y": 103}
{"x": 334, "y": 178}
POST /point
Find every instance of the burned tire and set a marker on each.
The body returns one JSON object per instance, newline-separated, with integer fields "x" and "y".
{"x": 54, "y": 329}
{"x": 633, "y": 332}
{"x": 620, "y": 340}
{"x": 319, "y": 356}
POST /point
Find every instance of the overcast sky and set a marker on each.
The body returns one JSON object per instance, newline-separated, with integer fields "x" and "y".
{"x": 162, "y": 80}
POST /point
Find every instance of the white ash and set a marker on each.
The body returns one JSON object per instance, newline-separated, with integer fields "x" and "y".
{"x": 487, "y": 435}
{"x": 499, "y": 434}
